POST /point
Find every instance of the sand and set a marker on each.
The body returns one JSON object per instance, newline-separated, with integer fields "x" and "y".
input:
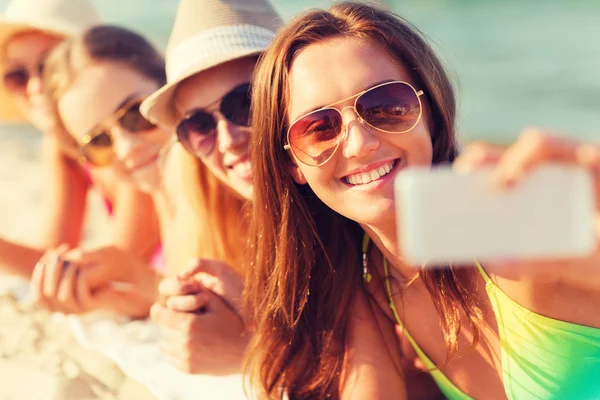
{"x": 39, "y": 356}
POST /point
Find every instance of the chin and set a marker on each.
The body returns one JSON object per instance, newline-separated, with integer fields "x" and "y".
{"x": 147, "y": 183}
{"x": 245, "y": 190}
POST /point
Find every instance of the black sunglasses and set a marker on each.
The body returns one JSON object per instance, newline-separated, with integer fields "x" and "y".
{"x": 197, "y": 132}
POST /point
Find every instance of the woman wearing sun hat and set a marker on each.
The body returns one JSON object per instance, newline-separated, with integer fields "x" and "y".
{"x": 212, "y": 52}
{"x": 29, "y": 29}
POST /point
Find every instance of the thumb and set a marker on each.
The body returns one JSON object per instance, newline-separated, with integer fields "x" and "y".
{"x": 95, "y": 270}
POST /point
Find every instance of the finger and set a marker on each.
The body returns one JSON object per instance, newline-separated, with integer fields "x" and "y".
{"x": 97, "y": 275}
{"x": 190, "y": 270}
{"x": 588, "y": 156}
{"x": 532, "y": 149}
{"x": 83, "y": 295}
{"x": 98, "y": 265}
{"x": 53, "y": 273}
{"x": 177, "y": 287}
{"x": 165, "y": 317}
{"x": 66, "y": 294}
{"x": 188, "y": 303}
{"x": 37, "y": 280}
{"x": 478, "y": 155}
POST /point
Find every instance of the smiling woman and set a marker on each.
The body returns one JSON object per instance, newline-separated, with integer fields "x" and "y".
{"x": 96, "y": 83}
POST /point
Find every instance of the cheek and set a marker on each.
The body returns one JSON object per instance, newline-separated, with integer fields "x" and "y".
{"x": 214, "y": 164}
{"x": 320, "y": 179}
{"x": 159, "y": 137}
{"x": 418, "y": 146}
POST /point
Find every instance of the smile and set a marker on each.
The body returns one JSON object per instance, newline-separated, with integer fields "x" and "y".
{"x": 362, "y": 178}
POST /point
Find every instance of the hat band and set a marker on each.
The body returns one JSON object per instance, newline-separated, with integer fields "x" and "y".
{"x": 215, "y": 43}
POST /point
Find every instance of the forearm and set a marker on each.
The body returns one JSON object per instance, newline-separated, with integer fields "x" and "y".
{"x": 18, "y": 259}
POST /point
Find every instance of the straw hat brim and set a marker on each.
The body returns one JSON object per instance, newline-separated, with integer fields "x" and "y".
{"x": 9, "y": 112}
{"x": 159, "y": 107}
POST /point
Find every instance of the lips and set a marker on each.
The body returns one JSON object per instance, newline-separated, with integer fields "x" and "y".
{"x": 375, "y": 173}
{"x": 144, "y": 163}
{"x": 242, "y": 168}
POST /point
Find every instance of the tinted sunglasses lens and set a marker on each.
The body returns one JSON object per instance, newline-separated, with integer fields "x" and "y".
{"x": 99, "y": 151}
{"x": 235, "y": 106}
{"x": 314, "y": 137}
{"x": 134, "y": 121}
{"x": 197, "y": 133}
{"x": 393, "y": 108}
{"x": 16, "y": 80}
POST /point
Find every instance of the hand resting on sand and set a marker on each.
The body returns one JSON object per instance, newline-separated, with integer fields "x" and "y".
{"x": 107, "y": 278}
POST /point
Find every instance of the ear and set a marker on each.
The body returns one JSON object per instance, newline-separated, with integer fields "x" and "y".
{"x": 297, "y": 175}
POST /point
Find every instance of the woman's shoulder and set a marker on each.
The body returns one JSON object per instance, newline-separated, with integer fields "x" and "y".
{"x": 372, "y": 366}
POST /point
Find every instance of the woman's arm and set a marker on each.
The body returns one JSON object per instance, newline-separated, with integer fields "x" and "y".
{"x": 64, "y": 196}
{"x": 134, "y": 222}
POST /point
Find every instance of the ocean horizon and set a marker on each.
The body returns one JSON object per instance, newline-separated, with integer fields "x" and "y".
{"x": 513, "y": 63}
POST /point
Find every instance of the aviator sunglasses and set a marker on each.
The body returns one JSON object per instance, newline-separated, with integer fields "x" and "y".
{"x": 197, "y": 132}
{"x": 96, "y": 146}
{"x": 391, "y": 107}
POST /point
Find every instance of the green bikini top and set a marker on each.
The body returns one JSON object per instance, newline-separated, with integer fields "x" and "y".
{"x": 542, "y": 358}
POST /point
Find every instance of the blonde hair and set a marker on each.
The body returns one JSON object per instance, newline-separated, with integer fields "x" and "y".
{"x": 209, "y": 215}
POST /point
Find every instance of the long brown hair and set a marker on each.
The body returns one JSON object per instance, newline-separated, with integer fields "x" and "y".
{"x": 305, "y": 256}
{"x": 100, "y": 43}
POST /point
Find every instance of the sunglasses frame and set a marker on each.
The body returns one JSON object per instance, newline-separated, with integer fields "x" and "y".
{"x": 418, "y": 93}
{"x": 104, "y": 127}
{"x": 194, "y": 111}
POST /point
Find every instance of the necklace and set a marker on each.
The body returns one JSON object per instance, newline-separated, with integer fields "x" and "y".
{"x": 388, "y": 286}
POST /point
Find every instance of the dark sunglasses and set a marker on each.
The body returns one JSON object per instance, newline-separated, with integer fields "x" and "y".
{"x": 392, "y": 107}
{"x": 97, "y": 146}
{"x": 16, "y": 79}
{"x": 197, "y": 132}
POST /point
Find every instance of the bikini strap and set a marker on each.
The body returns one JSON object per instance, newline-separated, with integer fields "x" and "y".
{"x": 484, "y": 274}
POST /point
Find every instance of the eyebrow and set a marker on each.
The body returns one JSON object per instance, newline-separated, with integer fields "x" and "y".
{"x": 126, "y": 100}
{"x": 122, "y": 104}
{"x": 308, "y": 111}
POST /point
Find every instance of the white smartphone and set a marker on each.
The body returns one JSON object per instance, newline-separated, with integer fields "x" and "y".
{"x": 448, "y": 217}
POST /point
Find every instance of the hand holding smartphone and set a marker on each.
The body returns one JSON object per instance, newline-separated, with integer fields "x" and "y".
{"x": 448, "y": 217}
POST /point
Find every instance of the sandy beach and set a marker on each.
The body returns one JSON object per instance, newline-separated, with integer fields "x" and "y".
{"x": 39, "y": 356}
{"x": 40, "y": 359}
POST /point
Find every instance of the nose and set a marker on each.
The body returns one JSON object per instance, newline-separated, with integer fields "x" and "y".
{"x": 125, "y": 143}
{"x": 35, "y": 85}
{"x": 359, "y": 138}
{"x": 229, "y": 135}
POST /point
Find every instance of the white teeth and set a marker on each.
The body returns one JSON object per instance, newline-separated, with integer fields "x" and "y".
{"x": 362, "y": 178}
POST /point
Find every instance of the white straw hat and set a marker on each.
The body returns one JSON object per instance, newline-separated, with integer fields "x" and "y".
{"x": 207, "y": 33}
{"x": 56, "y": 17}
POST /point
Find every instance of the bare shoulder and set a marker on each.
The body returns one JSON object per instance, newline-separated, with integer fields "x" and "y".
{"x": 370, "y": 370}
